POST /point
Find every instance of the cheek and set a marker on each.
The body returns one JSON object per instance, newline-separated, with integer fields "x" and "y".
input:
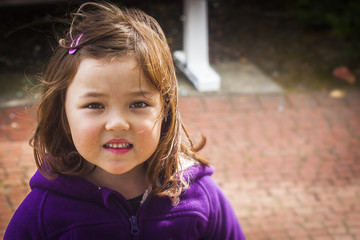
{"x": 83, "y": 134}
{"x": 149, "y": 129}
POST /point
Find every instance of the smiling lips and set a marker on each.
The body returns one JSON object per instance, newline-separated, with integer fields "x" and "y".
{"x": 118, "y": 146}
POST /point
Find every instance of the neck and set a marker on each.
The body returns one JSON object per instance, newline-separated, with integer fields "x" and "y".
{"x": 130, "y": 184}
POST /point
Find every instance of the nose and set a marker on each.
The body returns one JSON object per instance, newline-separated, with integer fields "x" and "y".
{"x": 117, "y": 122}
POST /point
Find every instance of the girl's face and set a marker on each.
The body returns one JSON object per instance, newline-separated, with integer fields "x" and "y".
{"x": 114, "y": 114}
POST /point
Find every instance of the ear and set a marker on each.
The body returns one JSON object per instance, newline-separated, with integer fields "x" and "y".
{"x": 65, "y": 124}
{"x": 164, "y": 116}
{"x": 167, "y": 109}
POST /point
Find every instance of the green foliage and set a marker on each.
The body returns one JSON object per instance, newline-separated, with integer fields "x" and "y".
{"x": 342, "y": 18}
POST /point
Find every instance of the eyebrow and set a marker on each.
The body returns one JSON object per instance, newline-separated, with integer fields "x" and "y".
{"x": 143, "y": 93}
{"x": 94, "y": 94}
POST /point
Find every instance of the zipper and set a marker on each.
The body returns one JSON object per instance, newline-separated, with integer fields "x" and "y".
{"x": 118, "y": 202}
{"x": 134, "y": 227}
{"x": 135, "y": 231}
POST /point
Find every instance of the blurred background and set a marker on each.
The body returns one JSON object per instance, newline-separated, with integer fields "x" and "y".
{"x": 298, "y": 43}
{"x": 289, "y": 162}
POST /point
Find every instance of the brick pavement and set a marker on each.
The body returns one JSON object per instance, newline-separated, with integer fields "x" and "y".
{"x": 290, "y": 164}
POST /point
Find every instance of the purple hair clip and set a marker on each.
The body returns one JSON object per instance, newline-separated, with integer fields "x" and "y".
{"x": 73, "y": 50}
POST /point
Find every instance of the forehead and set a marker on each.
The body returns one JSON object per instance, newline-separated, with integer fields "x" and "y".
{"x": 118, "y": 75}
{"x": 105, "y": 68}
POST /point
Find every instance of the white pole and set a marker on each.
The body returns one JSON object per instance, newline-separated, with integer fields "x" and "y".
{"x": 194, "y": 61}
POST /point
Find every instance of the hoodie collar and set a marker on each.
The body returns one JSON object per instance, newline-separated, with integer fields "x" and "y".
{"x": 78, "y": 187}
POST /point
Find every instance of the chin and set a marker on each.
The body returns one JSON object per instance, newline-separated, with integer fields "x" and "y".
{"x": 120, "y": 170}
{"x": 116, "y": 171}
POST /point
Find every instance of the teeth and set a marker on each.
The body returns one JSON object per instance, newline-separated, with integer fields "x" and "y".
{"x": 118, "y": 145}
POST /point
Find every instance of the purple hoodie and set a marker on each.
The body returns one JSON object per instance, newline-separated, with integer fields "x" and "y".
{"x": 72, "y": 208}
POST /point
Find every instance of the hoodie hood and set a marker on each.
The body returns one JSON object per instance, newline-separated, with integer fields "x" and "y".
{"x": 74, "y": 186}
{"x": 78, "y": 187}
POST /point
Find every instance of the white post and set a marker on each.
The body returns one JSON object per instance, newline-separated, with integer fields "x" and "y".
{"x": 194, "y": 62}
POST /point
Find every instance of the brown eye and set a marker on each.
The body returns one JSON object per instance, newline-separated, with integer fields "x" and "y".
{"x": 94, "y": 106}
{"x": 138, "y": 105}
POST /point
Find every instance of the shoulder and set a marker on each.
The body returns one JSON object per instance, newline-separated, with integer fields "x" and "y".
{"x": 187, "y": 220}
{"x": 202, "y": 192}
{"x": 201, "y": 198}
{"x": 25, "y": 222}
{"x": 221, "y": 221}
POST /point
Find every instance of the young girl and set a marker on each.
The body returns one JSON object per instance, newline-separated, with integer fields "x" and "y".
{"x": 111, "y": 161}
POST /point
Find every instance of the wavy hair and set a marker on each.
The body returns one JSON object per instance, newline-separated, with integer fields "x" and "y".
{"x": 109, "y": 32}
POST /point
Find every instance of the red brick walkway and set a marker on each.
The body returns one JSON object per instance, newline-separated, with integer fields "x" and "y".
{"x": 290, "y": 164}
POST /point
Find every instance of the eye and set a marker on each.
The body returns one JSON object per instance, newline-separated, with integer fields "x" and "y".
{"x": 139, "y": 104}
{"x": 94, "y": 106}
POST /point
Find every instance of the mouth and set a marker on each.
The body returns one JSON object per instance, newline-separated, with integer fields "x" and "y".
{"x": 118, "y": 146}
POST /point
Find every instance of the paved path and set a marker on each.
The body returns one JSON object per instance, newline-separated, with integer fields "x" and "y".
{"x": 290, "y": 164}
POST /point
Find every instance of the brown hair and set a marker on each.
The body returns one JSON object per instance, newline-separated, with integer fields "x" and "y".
{"x": 110, "y": 32}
